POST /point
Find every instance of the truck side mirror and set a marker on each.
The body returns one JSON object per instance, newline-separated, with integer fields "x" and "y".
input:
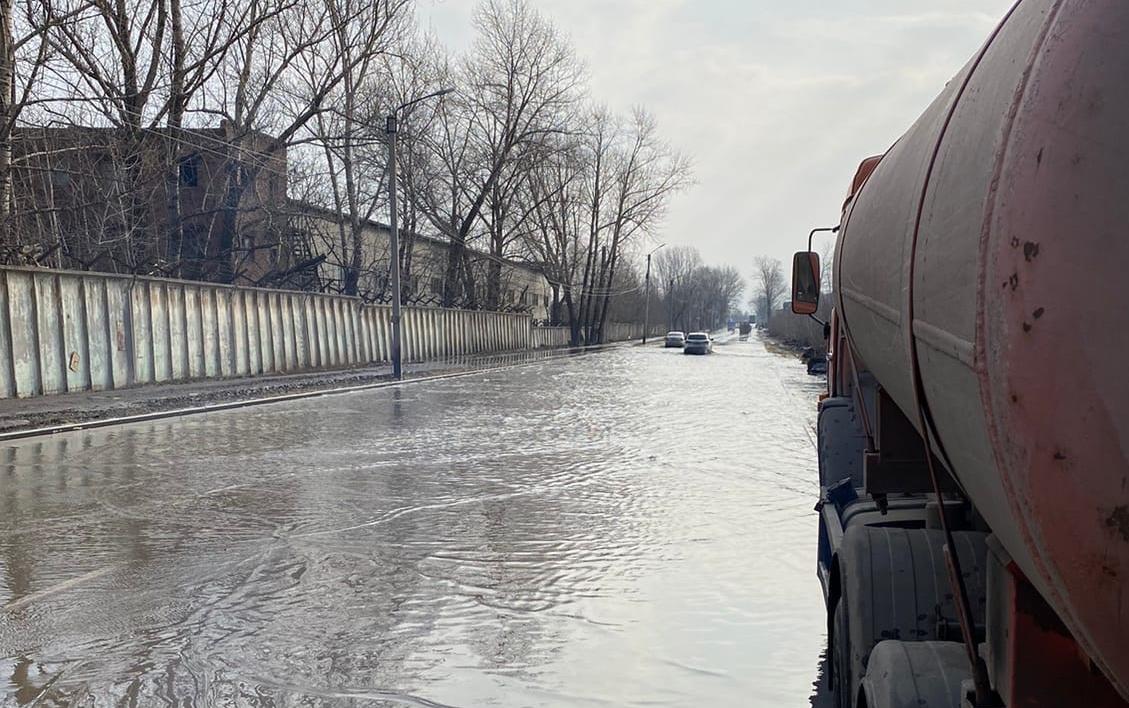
{"x": 805, "y": 283}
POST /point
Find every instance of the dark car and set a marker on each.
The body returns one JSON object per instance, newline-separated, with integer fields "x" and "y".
{"x": 674, "y": 338}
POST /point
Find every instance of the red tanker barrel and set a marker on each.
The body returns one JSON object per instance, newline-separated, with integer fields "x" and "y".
{"x": 999, "y": 226}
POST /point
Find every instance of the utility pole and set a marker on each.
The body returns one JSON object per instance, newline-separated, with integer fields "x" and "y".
{"x": 394, "y": 245}
{"x": 394, "y": 229}
{"x": 670, "y": 306}
{"x": 647, "y": 297}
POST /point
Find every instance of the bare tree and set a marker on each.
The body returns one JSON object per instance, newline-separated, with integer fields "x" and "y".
{"x": 556, "y": 237}
{"x": 113, "y": 59}
{"x": 646, "y": 173}
{"x": 421, "y": 67}
{"x": 24, "y": 50}
{"x": 517, "y": 86}
{"x": 675, "y": 267}
{"x": 348, "y": 130}
{"x": 770, "y": 287}
{"x": 281, "y": 76}
{"x": 697, "y": 296}
{"x": 126, "y": 74}
{"x": 288, "y": 96}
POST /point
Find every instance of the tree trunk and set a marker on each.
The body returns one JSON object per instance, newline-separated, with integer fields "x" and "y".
{"x": 493, "y": 285}
{"x": 7, "y": 108}
{"x": 573, "y": 320}
{"x": 177, "y": 104}
{"x": 451, "y": 289}
{"x": 471, "y": 293}
{"x": 607, "y": 293}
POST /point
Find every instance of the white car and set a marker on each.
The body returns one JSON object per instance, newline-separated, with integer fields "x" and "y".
{"x": 698, "y": 343}
{"x": 675, "y": 338}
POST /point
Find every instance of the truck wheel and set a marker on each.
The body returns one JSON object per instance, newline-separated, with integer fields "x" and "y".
{"x": 895, "y": 585}
{"x": 841, "y": 657}
{"x": 914, "y": 674}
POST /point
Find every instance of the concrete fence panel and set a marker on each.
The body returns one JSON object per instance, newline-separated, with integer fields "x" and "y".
{"x": 69, "y": 331}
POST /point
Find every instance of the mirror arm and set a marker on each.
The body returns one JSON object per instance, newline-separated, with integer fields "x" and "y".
{"x": 832, "y": 229}
{"x": 811, "y": 234}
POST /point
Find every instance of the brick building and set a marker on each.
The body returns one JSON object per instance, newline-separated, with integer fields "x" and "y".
{"x": 104, "y": 199}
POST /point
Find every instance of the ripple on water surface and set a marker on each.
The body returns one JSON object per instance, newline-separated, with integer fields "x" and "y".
{"x": 628, "y": 527}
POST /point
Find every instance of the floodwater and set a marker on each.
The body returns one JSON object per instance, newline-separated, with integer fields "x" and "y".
{"x": 630, "y": 527}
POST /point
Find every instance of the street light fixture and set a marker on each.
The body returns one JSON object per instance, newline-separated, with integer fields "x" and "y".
{"x": 647, "y": 298}
{"x": 394, "y": 236}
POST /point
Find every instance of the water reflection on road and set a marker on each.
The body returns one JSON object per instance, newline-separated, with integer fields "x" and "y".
{"x": 625, "y": 528}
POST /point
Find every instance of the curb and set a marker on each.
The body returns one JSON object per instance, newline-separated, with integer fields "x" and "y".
{"x": 559, "y": 353}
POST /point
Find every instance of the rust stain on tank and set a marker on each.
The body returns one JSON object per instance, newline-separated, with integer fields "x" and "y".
{"x": 1118, "y": 521}
{"x": 1030, "y": 250}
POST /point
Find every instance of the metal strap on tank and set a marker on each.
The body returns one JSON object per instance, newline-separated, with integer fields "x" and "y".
{"x": 984, "y": 696}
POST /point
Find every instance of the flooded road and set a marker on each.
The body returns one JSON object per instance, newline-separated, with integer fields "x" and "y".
{"x": 630, "y": 527}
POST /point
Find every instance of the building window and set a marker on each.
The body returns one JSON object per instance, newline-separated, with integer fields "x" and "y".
{"x": 190, "y": 171}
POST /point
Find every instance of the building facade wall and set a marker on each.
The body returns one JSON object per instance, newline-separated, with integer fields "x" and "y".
{"x": 522, "y": 288}
{"x": 99, "y": 199}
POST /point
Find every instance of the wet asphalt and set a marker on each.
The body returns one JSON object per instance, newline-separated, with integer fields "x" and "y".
{"x": 630, "y": 527}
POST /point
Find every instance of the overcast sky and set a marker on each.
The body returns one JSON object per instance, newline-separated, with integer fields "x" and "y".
{"x": 775, "y": 101}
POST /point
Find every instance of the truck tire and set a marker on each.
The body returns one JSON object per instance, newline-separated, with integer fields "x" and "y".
{"x": 895, "y": 585}
{"x": 914, "y": 675}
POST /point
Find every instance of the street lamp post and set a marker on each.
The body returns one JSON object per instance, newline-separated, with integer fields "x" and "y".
{"x": 670, "y": 305}
{"x": 394, "y": 229}
{"x": 647, "y": 297}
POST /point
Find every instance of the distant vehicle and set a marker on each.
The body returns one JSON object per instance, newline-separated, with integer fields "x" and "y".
{"x": 817, "y": 365}
{"x": 746, "y": 329}
{"x": 698, "y": 343}
{"x": 732, "y": 325}
{"x": 675, "y": 339}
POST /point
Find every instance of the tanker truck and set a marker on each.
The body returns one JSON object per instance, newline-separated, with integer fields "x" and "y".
{"x": 973, "y": 535}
